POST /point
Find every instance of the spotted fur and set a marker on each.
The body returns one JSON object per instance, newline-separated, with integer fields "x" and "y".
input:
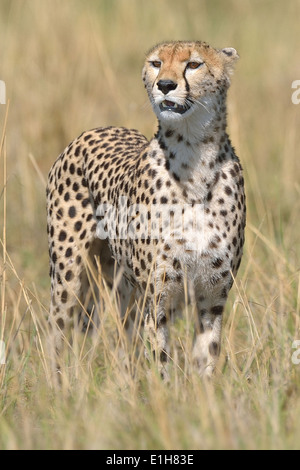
{"x": 189, "y": 162}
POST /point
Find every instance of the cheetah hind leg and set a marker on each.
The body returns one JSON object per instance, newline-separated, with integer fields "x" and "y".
{"x": 129, "y": 331}
{"x": 65, "y": 309}
{"x": 112, "y": 282}
{"x": 156, "y": 339}
{"x": 72, "y": 300}
{"x": 105, "y": 286}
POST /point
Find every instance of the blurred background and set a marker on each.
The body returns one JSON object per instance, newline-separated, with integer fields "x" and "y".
{"x": 73, "y": 65}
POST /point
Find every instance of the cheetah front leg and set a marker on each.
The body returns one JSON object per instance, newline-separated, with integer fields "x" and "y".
{"x": 207, "y": 342}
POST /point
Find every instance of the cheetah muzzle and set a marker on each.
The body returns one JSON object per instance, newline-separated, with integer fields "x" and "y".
{"x": 189, "y": 163}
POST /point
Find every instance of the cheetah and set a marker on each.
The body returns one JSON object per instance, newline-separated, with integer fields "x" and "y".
{"x": 111, "y": 186}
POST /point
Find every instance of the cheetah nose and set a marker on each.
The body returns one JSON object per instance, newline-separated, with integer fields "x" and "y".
{"x": 166, "y": 85}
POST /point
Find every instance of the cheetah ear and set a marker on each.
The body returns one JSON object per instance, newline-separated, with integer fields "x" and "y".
{"x": 230, "y": 52}
{"x": 230, "y": 57}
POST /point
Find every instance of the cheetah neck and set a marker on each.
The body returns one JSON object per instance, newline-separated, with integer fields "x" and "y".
{"x": 205, "y": 124}
{"x": 193, "y": 148}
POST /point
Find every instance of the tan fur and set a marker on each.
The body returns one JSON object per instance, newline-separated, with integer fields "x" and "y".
{"x": 190, "y": 163}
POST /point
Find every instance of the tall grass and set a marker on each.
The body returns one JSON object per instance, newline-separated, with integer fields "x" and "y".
{"x": 69, "y": 66}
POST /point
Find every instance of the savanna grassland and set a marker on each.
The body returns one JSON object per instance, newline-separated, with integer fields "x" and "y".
{"x": 73, "y": 65}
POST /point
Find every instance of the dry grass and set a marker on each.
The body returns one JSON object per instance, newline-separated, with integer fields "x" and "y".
{"x": 70, "y": 66}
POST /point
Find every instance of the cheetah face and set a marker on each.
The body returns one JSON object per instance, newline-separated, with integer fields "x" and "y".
{"x": 184, "y": 77}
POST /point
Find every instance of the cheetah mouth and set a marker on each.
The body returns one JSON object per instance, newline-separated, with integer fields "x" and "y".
{"x": 168, "y": 105}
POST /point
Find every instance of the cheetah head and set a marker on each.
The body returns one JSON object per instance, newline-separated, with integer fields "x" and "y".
{"x": 184, "y": 77}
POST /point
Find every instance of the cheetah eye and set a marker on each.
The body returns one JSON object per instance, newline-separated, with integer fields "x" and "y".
{"x": 156, "y": 64}
{"x": 194, "y": 65}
